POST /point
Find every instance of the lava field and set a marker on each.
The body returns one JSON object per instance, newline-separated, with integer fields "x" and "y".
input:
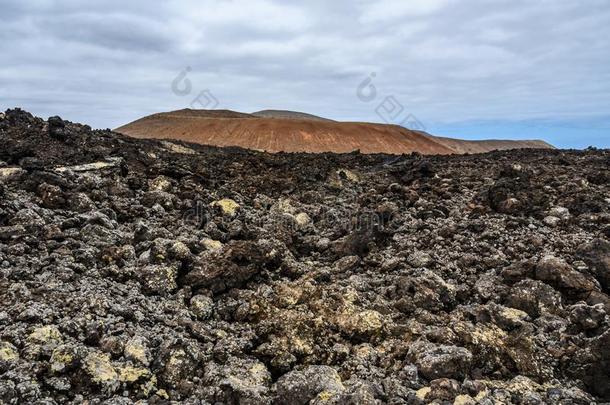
{"x": 157, "y": 271}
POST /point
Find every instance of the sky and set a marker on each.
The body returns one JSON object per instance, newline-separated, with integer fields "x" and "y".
{"x": 474, "y": 69}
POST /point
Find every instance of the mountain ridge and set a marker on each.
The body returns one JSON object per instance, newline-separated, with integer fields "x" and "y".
{"x": 290, "y": 131}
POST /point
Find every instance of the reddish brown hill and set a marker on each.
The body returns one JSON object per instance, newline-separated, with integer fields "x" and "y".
{"x": 285, "y": 131}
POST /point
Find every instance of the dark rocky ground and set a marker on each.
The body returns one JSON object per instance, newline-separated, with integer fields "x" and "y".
{"x": 150, "y": 271}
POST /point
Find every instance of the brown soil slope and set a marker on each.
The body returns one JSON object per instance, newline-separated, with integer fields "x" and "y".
{"x": 289, "y": 114}
{"x": 295, "y": 134}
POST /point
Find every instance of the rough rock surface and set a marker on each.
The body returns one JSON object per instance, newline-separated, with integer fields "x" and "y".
{"x": 140, "y": 270}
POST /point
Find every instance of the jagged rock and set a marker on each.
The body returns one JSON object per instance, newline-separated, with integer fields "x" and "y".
{"x": 443, "y": 389}
{"x": 245, "y": 381}
{"x": 587, "y": 317}
{"x": 359, "y": 323}
{"x": 426, "y": 290}
{"x": 535, "y": 298}
{"x": 64, "y": 358}
{"x": 100, "y": 369}
{"x": 560, "y": 212}
{"x": 160, "y": 183}
{"x": 300, "y": 387}
{"x": 8, "y": 232}
{"x": 52, "y": 196}
{"x": 434, "y": 361}
{"x": 158, "y": 279}
{"x": 232, "y": 267}
{"x": 560, "y": 274}
{"x": 597, "y": 255}
{"x": 551, "y": 221}
{"x": 57, "y": 127}
{"x": 346, "y": 263}
{"x": 136, "y": 349}
{"x": 227, "y": 206}
{"x": 202, "y": 306}
{"x": 80, "y": 202}
{"x": 8, "y": 356}
{"x": 10, "y": 173}
{"x": 419, "y": 259}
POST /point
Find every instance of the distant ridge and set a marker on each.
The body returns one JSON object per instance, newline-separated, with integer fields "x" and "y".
{"x": 289, "y": 115}
{"x": 288, "y": 131}
{"x": 190, "y": 113}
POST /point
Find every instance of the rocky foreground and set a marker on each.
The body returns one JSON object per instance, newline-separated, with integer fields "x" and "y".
{"x": 156, "y": 271}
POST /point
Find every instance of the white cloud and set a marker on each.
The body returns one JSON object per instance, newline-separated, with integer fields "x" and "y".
{"x": 263, "y": 15}
{"x": 108, "y": 62}
{"x": 386, "y": 10}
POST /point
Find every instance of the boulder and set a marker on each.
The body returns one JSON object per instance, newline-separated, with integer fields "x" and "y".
{"x": 561, "y": 275}
{"x": 534, "y": 297}
{"x": 158, "y": 279}
{"x": 440, "y": 361}
{"x": 301, "y": 386}
{"x": 597, "y": 256}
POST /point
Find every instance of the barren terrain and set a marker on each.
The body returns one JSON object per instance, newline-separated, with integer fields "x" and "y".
{"x": 149, "y": 270}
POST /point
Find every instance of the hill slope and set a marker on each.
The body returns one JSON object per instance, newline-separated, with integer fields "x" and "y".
{"x": 289, "y": 115}
{"x": 285, "y": 131}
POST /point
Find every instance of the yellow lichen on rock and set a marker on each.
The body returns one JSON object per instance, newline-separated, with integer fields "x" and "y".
{"x": 515, "y": 315}
{"x": 364, "y": 322}
{"x": 175, "y": 364}
{"x": 363, "y": 352}
{"x": 423, "y": 392}
{"x": 302, "y": 219}
{"x": 45, "y": 334}
{"x": 351, "y": 176}
{"x": 8, "y": 352}
{"x": 160, "y": 183}
{"x": 369, "y": 321}
{"x": 350, "y": 295}
{"x": 522, "y": 384}
{"x": 481, "y": 395}
{"x": 136, "y": 350}
{"x": 337, "y": 178}
{"x": 149, "y": 386}
{"x": 162, "y": 394}
{"x": 284, "y": 205}
{"x": 257, "y": 376}
{"x": 132, "y": 374}
{"x": 259, "y": 371}
{"x": 489, "y": 334}
{"x": 227, "y": 206}
{"x": 326, "y": 396}
{"x": 99, "y": 367}
{"x": 7, "y": 172}
{"x": 211, "y": 244}
{"x": 464, "y": 400}
{"x": 60, "y": 359}
{"x": 288, "y": 296}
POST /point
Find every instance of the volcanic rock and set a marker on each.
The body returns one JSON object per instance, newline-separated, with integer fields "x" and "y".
{"x": 137, "y": 270}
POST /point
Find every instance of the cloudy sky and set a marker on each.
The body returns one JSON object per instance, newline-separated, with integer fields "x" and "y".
{"x": 468, "y": 68}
